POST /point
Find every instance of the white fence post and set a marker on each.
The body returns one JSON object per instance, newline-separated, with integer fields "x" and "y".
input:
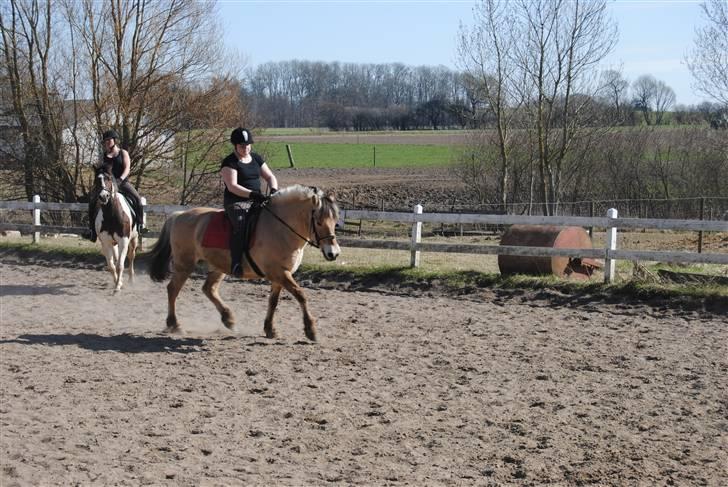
{"x": 36, "y": 218}
{"x": 611, "y": 244}
{"x": 416, "y": 238}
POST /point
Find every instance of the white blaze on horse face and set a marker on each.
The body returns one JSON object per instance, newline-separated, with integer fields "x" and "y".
{"x": 104, "y": 194}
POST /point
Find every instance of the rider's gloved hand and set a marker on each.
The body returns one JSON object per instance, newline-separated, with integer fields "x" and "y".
{"x": 256, "y": 197}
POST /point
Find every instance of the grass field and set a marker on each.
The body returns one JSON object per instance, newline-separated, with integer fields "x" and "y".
{"x": 439, "y": 269}
{"x": 340, "y": 156}
{"x": 324, "y": 131}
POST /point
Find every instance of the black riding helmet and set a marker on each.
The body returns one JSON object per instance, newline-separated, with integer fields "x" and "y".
{"x": 111, "y": 134}
{"x": 241, "y": 136}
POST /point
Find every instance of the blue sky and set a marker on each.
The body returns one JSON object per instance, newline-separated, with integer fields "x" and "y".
{"x": 654, "y": 36}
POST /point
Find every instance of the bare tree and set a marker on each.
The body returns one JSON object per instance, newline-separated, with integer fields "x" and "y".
{"x": 140, "y": 56}
{"x": 27, "y": 53}
{"x": 562, "y": 43}
{"x": 664, "y": 101}
{"x": 652, "y": 96}
{"x": 484, "y": 53}
{"x": 643, "y": 95}
{"x": 537, "y": 59}
{"x": 708, "y": 61}
{"x": 202, "y": 135}
{"x": 614, "y": 91}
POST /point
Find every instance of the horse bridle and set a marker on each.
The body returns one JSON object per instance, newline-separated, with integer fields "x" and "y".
{"x": 316, "y": 244}
{"x": 113, "y": 190}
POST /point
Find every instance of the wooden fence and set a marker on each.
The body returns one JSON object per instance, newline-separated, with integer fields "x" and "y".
{"x": 611, "y": 223}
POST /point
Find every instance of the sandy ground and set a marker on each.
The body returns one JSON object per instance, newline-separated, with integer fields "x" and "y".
{"x": 429, "y": 390}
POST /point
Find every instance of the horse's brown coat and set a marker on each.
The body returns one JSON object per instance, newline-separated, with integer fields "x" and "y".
{"x": 293, "y": 217}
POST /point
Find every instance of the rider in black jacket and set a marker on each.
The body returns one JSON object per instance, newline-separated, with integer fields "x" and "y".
{"x": 117, "y": 160}
{"x": 241, "y": 171}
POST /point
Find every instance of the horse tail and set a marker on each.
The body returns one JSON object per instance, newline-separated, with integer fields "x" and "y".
{"x": 161, "y": 253}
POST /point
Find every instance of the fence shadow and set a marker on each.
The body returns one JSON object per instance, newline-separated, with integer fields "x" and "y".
{"x": 126, "y": 343}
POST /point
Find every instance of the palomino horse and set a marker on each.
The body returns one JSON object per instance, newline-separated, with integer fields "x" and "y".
{"x": 114, "y": 227}
{"x": 292, "y": 217}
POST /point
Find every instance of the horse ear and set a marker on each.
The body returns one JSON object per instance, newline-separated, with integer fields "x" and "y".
{"x": 316, "y": 200}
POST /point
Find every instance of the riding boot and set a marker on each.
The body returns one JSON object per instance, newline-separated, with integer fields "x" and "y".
{"x": 140, "y": 219}
{"x": 236, "y": 215}
{"x": 236, "y": 269}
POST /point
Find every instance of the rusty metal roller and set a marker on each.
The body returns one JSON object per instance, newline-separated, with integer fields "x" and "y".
{"x": 547, "y": 236}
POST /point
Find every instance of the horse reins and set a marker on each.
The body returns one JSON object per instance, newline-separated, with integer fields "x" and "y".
{"x": 317, "y": 244}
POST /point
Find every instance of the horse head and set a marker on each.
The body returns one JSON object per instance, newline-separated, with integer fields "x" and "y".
{"x": 323, "y": 222}
{"x": 105, "y": 185}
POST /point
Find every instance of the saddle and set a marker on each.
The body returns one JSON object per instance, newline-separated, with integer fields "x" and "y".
{"x": 130, "y": 203}
{"x": 217, "y": 234}
{"x": 219, "y": 231}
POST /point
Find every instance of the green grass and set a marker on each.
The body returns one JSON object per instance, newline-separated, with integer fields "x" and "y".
{"x": 79, "y": 251}
{"x": 461, "y": 282}
{"x": 347, "y": 156}
{"x": 403, "y": 277}
{"x": 296, "y": 131}
{"x": 293, "y": 131}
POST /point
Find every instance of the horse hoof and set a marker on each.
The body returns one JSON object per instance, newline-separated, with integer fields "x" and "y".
{"x": 271, "y": 334}
{"x": 228, "y": 320}
{"x": 174, "y": 331}
{"x": 311, "y": 335}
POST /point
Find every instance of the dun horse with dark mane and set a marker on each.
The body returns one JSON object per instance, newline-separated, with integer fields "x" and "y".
{"x": 290, "y": 219}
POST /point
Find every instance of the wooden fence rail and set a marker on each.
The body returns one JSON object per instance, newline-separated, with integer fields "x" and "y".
{"x": 610, "y": 223}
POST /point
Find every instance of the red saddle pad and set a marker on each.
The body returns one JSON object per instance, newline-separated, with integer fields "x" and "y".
{"x": 217, "y": 234}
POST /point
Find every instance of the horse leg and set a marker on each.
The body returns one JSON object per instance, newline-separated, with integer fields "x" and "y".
{"x": 132, "y": 254}
{"x": 123, "y": 247}
{"x": 108, "y": 251}
{"x": 210, "y": 288}
{"x": 309, "y": 324}
{"x": 275, "y": 292}
{"x": 173, "y": 288}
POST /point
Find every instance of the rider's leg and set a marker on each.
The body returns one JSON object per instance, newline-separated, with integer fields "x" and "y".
{"x": 235, "y": 216}
{"x": 130, "y": 191}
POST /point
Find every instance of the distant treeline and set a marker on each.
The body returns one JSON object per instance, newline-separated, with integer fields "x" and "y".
{"x": 363, "y": 97}
{"x": 346, "y": 96}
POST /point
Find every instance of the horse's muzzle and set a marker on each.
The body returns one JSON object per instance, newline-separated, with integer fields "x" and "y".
{"x": 330, "y": 252}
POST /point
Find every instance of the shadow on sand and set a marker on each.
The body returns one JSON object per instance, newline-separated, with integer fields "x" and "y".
{"x": 126, "y": 343}
{"x": 29, "y": 290}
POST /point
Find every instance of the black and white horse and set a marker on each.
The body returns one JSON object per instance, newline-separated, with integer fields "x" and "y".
{"x": 115, "y": 227}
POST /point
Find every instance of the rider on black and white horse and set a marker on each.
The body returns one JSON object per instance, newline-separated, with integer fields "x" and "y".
{"x": 117, "y": 160}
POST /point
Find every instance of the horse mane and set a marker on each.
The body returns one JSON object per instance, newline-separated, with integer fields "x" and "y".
{"x": 325, "y": 206}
